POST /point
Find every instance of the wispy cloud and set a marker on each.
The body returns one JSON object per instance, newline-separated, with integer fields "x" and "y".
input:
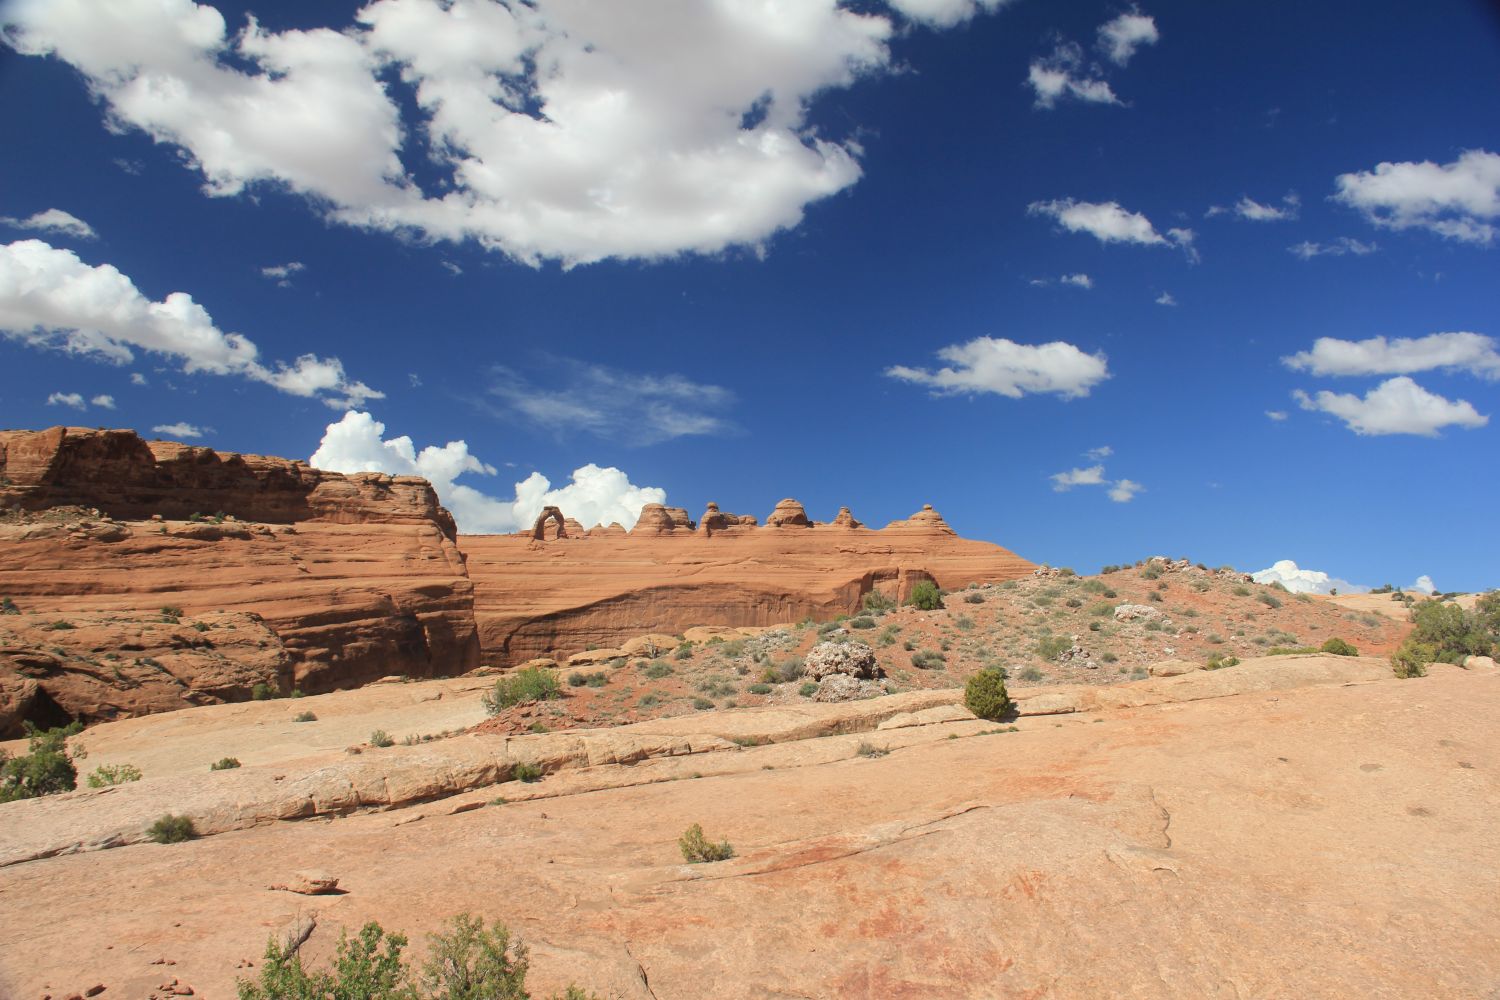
{"x": 1308, "y": 249}
{"x": 633, "y": 407}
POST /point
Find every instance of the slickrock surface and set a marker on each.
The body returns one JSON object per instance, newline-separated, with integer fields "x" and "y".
{"x": 1303, "y": 827}
{"x": 557, "y": 596}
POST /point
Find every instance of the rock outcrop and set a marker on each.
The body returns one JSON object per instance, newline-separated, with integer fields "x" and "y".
{"x": 348, "y": 578}
{"x": 558, "y": 597}
{"x": 132, "y": 479}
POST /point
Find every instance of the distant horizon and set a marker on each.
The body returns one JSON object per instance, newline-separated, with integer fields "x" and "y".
{"x": 1097, "y": 282}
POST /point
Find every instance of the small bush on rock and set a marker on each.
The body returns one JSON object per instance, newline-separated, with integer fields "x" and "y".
{"x": 305, "y": 717}
{"x": 47, "y": 769}
{"x": 925, "y": 596}
{"x": 986, "y": 697}
{"x": 1338, "y": 647}
{"x": 530, "y": 684}
{"x": 381, "y": 738}
{"x": 698, "y": 849}
{"x": 225, "y": 764}
{"x": 876, "y": 601}
{"x": 171, "y": 829}
{"x": 528, "y": 773}
{"x": 113, "y": 774}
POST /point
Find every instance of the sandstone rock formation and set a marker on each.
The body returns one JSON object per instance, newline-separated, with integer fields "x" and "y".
{"x": 348, "y": 578}
{"x": 557, "y": 597}
{"x": 131, "y": 479}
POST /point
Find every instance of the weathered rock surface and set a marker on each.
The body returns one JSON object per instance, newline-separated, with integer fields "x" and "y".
{"x": 96, "y": 666}
{"x": 350, "y": 578}
{"x": 1155, "y": 853}
{"x": 557, "y": 597}
{"x": 132, "y": 479}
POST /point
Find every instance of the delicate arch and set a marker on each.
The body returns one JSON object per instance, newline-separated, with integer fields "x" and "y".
{"x": 539, "y": 530}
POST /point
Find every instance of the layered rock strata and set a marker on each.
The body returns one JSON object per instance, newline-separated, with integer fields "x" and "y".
{"x": 558, "y": 596}
{"x": 351, "y": 577}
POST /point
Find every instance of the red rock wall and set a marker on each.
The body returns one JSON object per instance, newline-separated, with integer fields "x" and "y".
{"x": 561, "y": 595}
{"x": 129, "y": 478}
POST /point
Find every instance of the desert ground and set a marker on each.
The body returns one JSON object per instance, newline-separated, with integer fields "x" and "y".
{"x": 1292, "y": 826}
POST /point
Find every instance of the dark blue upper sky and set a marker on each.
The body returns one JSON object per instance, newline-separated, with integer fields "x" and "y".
{"x": 712, "y": 346}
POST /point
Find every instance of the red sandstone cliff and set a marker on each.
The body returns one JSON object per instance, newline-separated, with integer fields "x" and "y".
{"x": 353, "y": 578}
{"x": 339, "y": 580}
{"x": 536, "y": 593}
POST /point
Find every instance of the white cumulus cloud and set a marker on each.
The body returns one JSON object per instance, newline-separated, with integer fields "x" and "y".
{"x": 1120, "y": 38}
{"x": 104, "y": 402}
{"x": 1064, "y": 481}
{"x": 1065, "y": 74}
{"x": 53, "y": 220}
{"x": 1462, "y": 351}
{"x": 594, "y": 495}
{"x": 1396, "y": 406}
{"x": 1165, "y": 299}
{"x": 559, "y": 130}
{"x": 990, "y": 364}
{"x": 181, "y": 429}
{"x": 1304, "y": 581}
{"x": 1108, "y": 222}
{"x": 1423, "y": 585}
{"x": 1458, "y": 200}
{"x": 72, "y": 399}
{"x": 944, "y": 13}
{"x": 282, "y": 273}
{"x": 49, "y": 298}
{"x": 1095, "y": 454}
{"x": 1124, "y": 490}
{"x": 1277, "y": 415}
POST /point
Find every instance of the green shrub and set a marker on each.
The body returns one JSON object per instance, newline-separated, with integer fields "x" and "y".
{"x": 171, "y": 829}
{"x": 1457, "y": 634}
{"x": 808, "y": 689}
{"x": 1103, "y": 609}
{"x": 528, "y": 685}
{"x": 59, "y": 626}
{"x": 925, "y": 596}
{"x": 1108, "y": 657}
{"x": 1050, "y": 647}
{"x": 1411, "y": 658}
{"x": 171, "y": 611}
{"x": 974, "y": 599}
{"x": 1290, "y": 650}
{"x": 528, "y": 773}
{"x": 1096, "y": 626}
{"x": 868, "y": 749}
{"x": 684, "y": 652}
{"x": 876, "y": 601}
{"x": 1338, "y": 647}
{"x": 649, "y": 700}
{"x": 698, "y": 849}
{"x": 8, "y": 607}
{"x": 985, "y": 695}
{"x": 1219, "y": 661}
{"x": 47, "y": 768}
{"x": 597, "y": 679}
{"x": 1154, "y": 597}
{"x": 1031, "y": 674}
{"x": 702, "y": 704}
{"x": 759, "y": 689}
{"x": 928, "y": 659}
{"x": 1269, "y": 600}
{"x": 862, "y": 622}
{"x": 262, "y": 692}
{"x": 1241, "y": 591}
{"x": 381, "y": 738}
{"x": 1151, "y": 572}
{"x": 304, "y": 717}
{"x": 225, "y": 764}
{"x": 113, "y": 774}
{"x": 1073, "y": 602}
{"x": 964, "y": 623}
{"x": 1095, "y": 586}
{"x": 657, "y": 669}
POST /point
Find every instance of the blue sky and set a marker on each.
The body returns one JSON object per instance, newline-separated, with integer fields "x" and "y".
{"x": 874, "y": 254}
